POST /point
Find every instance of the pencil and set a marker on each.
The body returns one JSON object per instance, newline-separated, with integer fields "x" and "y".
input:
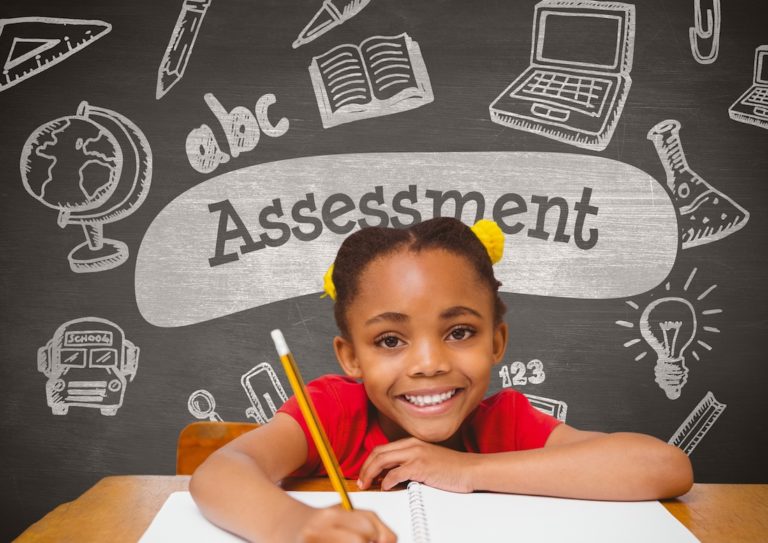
{"x": 180, "y": 45}
{"x": 310, "y": 416}
{"x": 331, "y": 14}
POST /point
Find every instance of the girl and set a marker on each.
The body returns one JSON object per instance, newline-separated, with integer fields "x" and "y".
{"x": 421, "y": 326}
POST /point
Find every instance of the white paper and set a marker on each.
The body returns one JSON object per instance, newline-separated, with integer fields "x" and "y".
{"x": 477, "y": 517}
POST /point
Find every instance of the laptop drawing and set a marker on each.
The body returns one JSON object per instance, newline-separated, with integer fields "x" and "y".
{"x": 578, "y": 79}
{"x": 752, "y": 106}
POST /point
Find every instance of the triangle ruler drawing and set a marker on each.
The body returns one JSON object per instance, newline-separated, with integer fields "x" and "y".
{"x": 30, "y": 45}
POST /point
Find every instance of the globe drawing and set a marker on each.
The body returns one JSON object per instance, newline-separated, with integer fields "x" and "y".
{"x": 71, "y": 163}
{"x": 94, "y": 167}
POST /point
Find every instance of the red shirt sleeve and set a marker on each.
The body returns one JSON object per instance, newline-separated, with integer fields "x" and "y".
{"x": 326, "y": 404}
{"x": 508, "y": 422}
{"x": 532, "y": 427}
{"x": 333, "y": 397}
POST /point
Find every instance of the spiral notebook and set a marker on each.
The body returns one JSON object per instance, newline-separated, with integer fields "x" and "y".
{"x": 421, "y": 514}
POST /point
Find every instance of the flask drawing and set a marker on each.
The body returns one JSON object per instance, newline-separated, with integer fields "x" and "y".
{"x": 706, "y": 214}
{"x": 668, "y": 325}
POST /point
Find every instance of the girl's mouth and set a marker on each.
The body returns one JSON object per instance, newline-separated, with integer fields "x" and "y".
{"x": 429, "y": 400}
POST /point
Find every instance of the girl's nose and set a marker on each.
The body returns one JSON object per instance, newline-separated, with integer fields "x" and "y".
{"x": 428, "y": 359}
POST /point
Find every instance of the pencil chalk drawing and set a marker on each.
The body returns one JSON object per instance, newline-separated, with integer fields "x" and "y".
{"x": 577, "y": 83}
{"x": 31, "y": 45}
{"x": 179, "y": 48}
{"x": 704, "y": 35}
{"x": 698, "y": 423}
{"x": 94, "y": 168}
{"x": 706, "y": 214}
{"x": 88, "y": 363}
{"x": 574, "y": 230}
{"x": 202, "y": 405}
{"x": 241, "y": 128}
{"x": 515, "y": 373}
{"x": 261, "y": 382}
{"x": 381, "y": 76}
{"x": 669, "y": 325}
{"x": 555, "y": 408}
{"x": 330, "y": 15}
{"x": 752, "y": 106}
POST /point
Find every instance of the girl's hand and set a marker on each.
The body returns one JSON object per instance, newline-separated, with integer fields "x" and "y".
{"x": 411, "y": 459}
{"x": 336, "y": 525}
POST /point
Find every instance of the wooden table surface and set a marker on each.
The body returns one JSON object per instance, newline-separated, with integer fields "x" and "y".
{"x": 120, "y": 509}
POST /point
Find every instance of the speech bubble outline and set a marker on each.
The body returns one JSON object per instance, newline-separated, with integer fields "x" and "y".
{"x": 182, "y": 277}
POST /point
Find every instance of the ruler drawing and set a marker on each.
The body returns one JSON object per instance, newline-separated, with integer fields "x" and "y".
{"x": 30, "y": 45}
{"x": 697, "y": 424}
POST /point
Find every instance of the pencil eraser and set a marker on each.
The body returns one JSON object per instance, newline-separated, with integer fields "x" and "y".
{"x": 280, "y": 344}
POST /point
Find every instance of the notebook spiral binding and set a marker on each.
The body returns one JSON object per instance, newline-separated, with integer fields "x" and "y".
{"x": 419, "y": 525}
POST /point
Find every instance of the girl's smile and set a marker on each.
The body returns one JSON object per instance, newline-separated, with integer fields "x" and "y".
{"x": 423, "y": 340}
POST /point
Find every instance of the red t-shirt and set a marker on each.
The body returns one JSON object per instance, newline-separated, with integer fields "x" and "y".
{"x": 505, "y": 421}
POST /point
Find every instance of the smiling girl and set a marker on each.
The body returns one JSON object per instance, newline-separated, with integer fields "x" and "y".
{"x": 421, "y": 327}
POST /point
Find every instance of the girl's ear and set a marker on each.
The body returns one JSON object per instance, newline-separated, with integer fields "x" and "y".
{"x": 500, "y": 336}
{"x": 345, "y": 354}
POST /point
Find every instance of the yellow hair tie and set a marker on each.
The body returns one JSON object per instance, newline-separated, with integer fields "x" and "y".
{"x": 328, "y": 286}
{"x": 492, "y": 238}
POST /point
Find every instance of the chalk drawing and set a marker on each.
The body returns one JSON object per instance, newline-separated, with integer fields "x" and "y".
{"x": 704, "y": 35}
{"x": 30, "y": 45}
{"x": 179, "y": 49}
{"x": 670, "y": 325}
{"x": 515, "y": 373}
{"x": 381, "y": 76}
{"x": 330, "y": 15}
{"x": 88, "y": 363}
{"x": 94, "y": 168}
{"x": 574, "y": 89}
{"x": 241, "y": 128}
{"x": 752, "y": 106}
{"x": 555, "y": 408}
{"x": 202, "y": 405}
{"x": 698, "y": 423}
{"x": 574, "y": 230}
{"x": 706, "y": 214}
{"x": 262, "y": 383}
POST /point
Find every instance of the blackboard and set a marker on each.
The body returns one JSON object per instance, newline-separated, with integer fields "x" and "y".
{"x": 133, "y": 279}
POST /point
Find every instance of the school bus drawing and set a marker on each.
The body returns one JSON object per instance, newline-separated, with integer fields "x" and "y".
{"x": 88, "y": 363}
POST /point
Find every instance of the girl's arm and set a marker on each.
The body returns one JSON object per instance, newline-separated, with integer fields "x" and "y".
{"x": 572, "y": 464}
{"x": 588, "y": 465}
{"x": 236, "y": 489}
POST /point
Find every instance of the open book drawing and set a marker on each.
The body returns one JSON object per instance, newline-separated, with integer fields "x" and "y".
{"x": 422, "y": 514}
{"x": 381, "y": 76}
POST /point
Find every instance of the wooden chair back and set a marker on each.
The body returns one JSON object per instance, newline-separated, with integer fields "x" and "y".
{"x": 199, "y": 439}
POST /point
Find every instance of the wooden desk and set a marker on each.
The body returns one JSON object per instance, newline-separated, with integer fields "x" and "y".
{"x": 119, "y": 509}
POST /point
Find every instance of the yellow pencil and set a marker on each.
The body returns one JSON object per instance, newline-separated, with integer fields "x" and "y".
{"x": 310, "y": 416}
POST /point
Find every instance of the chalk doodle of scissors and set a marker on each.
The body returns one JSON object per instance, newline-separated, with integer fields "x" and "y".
{"x": 705, "y": 32}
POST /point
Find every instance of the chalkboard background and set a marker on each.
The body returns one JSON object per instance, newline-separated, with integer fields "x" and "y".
{"x": 472, "y": 51}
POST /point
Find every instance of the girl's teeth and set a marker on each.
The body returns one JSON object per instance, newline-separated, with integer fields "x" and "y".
{"x": 430, "y": 400}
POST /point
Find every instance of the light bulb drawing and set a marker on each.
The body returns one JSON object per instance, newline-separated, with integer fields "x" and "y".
{"x": 670, "y": 326}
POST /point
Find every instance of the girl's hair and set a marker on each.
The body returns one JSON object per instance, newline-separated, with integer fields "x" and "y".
{"x": 368, "y": 244}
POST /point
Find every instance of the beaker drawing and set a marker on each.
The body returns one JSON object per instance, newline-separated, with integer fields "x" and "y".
{"x": 706, "y": 214}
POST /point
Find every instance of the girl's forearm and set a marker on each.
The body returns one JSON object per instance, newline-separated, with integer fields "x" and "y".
{"x": 621, "y": 466}
{"x": 233, "y": 492}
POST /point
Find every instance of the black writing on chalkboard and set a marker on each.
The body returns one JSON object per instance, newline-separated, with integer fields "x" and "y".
{"x": 338, "y": 204}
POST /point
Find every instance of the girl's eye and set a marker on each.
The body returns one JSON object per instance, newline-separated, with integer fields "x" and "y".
{"x": 389, "y": 342}
{"x": 460, "y": 333}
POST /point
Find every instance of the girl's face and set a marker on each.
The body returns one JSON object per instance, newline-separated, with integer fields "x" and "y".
{"x": 423, "y": 341}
